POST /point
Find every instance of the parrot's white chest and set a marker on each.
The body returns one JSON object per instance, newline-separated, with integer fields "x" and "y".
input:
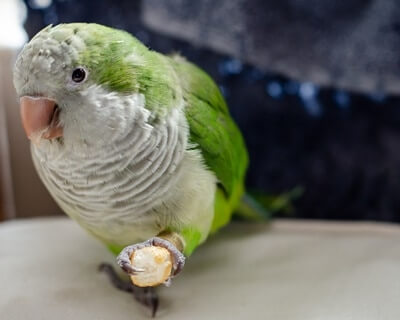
{"x": 132, "y": 188}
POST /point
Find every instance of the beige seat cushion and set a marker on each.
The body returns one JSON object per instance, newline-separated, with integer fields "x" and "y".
{"x": 290, "y": 270}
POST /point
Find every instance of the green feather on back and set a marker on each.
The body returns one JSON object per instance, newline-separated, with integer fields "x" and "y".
{"x": 213, "y": 131}
{"x": 211, "y": 126}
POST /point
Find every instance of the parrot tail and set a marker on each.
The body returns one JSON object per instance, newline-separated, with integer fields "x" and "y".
{"x": 261, "y": 207}
{"x": 250, "y": 209}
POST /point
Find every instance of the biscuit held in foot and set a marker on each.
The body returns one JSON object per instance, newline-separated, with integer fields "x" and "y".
{"x": 156, "y": 264}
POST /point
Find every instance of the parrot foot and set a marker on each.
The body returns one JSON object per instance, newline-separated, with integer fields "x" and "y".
{"x": 146, "y": 296}
{"x": 148, "y": 251}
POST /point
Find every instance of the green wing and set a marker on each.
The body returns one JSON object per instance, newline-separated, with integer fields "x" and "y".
{"x": 213, "y": 131}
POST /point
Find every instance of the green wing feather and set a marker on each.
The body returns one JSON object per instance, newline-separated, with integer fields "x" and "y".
{"x": 213, "y": 131}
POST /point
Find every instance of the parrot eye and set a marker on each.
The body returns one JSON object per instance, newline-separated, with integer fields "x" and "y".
{"x": 78, "y": 75}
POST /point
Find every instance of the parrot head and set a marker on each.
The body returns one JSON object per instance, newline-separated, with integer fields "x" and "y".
{"x": 73, "y": 82}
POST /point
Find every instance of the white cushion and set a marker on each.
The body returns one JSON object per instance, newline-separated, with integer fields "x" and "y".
{"x": 289, "y": 270}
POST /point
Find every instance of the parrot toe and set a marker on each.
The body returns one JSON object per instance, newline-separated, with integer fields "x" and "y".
{"x": 146, "y": 296}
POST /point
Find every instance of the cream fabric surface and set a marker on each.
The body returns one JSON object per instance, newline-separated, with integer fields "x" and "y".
{"x": 288, "y": 270}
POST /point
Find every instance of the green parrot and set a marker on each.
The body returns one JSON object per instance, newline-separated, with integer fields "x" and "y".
{"x": 138, "y": 147}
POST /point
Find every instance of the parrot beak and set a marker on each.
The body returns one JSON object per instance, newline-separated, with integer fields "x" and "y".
{"x": 40, "y": 118}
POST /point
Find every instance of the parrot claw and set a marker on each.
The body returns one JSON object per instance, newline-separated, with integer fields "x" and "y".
{"x": 145, "y": 296}
{"x": 129, "y": 269}
{"x": 124, "y": 260}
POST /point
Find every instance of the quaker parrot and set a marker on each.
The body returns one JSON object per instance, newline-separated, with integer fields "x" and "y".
{"x": 138, "y": 147}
